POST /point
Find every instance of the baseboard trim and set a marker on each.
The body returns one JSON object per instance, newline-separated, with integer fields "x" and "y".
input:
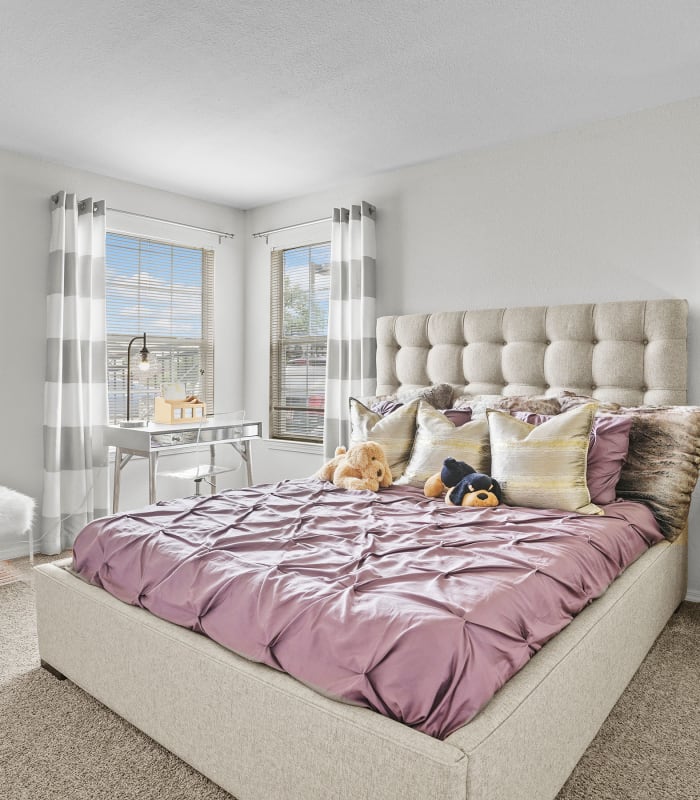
{"x": 11, "y": 551}
{"x": 693, "y": 596}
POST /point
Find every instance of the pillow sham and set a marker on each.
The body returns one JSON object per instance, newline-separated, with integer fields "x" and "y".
{"x": 543, "y": 466}
{"x": 394, "y": 432}
{"x": 607, "y": 451}
{"x": 663, "y": 459}
{"x": 438, "y": 438}
{"x": 458, "y": 416}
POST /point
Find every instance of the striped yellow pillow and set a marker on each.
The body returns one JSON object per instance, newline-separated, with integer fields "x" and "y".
{"x": 543, "y": 466}
{"x": 437, "y": 438}
{"x": 394, "y": 432}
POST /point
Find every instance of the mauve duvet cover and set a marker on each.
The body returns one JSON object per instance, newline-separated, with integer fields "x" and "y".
{"x": 392, "y": 601}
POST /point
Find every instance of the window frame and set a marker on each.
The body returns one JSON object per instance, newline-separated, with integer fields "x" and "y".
{"x": 278, "y": 344}
{"x": 116, "y": 343}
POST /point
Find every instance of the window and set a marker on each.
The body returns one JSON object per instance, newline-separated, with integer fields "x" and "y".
{"x": 298, "y": 339}
{"x": 166, "y": 291}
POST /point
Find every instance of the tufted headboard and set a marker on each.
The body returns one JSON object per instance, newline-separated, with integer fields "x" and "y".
{"x": 632, "y": 353}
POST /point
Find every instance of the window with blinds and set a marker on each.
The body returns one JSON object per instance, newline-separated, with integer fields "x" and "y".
{"x": 166, "y": 291}
{"x": 300, "y": 292}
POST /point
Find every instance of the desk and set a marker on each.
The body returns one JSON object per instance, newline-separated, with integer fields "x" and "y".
{"x": 153, "y": 439}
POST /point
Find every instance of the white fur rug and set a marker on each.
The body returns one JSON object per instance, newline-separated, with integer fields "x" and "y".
{"x": 16, "y": 511}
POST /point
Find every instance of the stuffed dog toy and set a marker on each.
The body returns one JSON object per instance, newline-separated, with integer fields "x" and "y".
{"x": 363, "y": 466}
{"x": 464, "y": 486}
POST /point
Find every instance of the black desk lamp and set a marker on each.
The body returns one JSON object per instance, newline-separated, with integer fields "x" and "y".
{"x": 144, "y": 366}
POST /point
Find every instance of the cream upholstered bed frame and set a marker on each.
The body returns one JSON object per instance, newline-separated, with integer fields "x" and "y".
{"x": 262, "y": 735}
{"x": 629, "y": 353}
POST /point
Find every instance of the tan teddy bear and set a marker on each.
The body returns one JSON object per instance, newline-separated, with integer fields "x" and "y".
{"x": 363, "y": 466}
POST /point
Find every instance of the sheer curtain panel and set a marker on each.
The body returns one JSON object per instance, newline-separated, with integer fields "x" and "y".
{"x": 75, "y": 392}
{"x": 350, "y": 362}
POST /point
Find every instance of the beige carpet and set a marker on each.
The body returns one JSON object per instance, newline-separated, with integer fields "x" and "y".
{"x": 57, "y": 743}
{"x": 8, "y": 573}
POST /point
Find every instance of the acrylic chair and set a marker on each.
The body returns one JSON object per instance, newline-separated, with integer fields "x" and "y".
{"x": 214, "y": 457}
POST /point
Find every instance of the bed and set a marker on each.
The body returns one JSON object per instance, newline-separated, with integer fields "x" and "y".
{"x": 261, "y": 734}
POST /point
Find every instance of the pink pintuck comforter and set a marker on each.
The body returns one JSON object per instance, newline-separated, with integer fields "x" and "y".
{"x": 391, "y": 601}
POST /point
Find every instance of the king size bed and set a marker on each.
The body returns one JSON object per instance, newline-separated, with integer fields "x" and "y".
{"x": 262, "y": 734}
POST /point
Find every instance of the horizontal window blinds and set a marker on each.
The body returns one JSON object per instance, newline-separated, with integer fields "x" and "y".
{"x": 166, "y": 291}
{"x": 300, "y": 290}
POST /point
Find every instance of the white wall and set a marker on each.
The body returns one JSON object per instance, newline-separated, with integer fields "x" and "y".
{"x": 25, "y": 187}
{"x": 606, "y": 212}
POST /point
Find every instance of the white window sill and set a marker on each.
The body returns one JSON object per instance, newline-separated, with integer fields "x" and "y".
{"x": 312, "y": 448}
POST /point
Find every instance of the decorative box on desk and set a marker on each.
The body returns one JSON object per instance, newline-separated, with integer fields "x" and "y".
{"x": 170, "y": 412}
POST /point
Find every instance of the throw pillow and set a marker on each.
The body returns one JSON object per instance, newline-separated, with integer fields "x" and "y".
{"x": 607, "y": 451}
{"x": 663, "y": 459}
{"x": 394, "y": 432}
{"x": 477, "y": 405}
{"x": 543, "y": 466}
{"x": 385, "y": 407}
{"x": 538, "y": 404}
{"x": 438, "y": 438}
{"x": 439, "y": 395}
{"x": 569, "y": 400}
{"x": 480, "y": 404}
{"x": 662, "y": 463}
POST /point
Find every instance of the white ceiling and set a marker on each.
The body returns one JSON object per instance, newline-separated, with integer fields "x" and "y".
{"x": 248, "y": 102}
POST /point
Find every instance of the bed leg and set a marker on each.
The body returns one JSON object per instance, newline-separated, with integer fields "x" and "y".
{"x": 52, "y": 670}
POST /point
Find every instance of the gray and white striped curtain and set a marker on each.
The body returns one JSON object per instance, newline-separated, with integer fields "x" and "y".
{"x": 351, "y": 357}
{"x": 75, "y": 392}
